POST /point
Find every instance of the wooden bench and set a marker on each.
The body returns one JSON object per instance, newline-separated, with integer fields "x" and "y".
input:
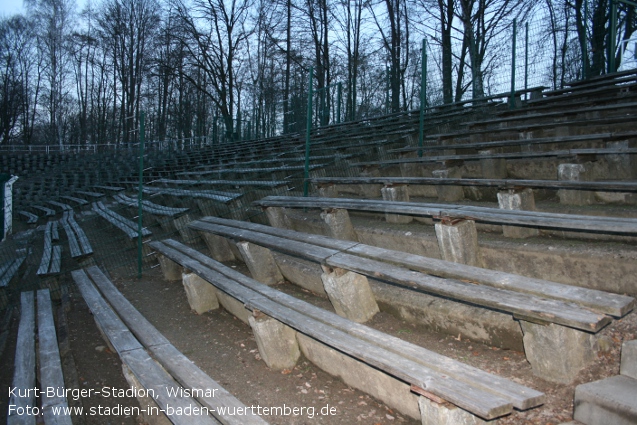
{"x": 132, "y": 335}
{"x": 109, "y": 188}
{"x": 256, "y": 183}
{"x": 50, "y": 376}
{"x": 212, "y": 195}
{"x": 425, "y": 372}
{"x": 564, "y": 153}
{"x": 78, "y": 241}
{"x": 79, "y": 201}
{"x": 30, "y": 217}
{"x": 150, "y": 207}
{"x": 583, "y": 223}
{"x": 605, "y": 186}
{"x": 89, "y": 194}
{"x": 558, "y": 312}
{"x": 51, "y": 261}
{"x": 129, "y": 227}
{"x": 61, "y": 205}
{"x": 520, "y": 142}
{"x": 48, "y": 212}
{"x": 10, "y": 268}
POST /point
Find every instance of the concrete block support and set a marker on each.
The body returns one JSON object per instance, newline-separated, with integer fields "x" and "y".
{"x": 339, "y": 225}
{"x": 181, "y": 225}
{"x": 170, "y": 269}
{"x": 492, "y": 168}
{"x": 261, "y": 263}
{"x": 517, "y": 200}
{"x": 350, "y": 294}
{"x": 396, "y": 194}
{"x": 276, "y": 342}
{"x": 458, "y": 242}
{"x": 389, "y": 390}
{"x": 327, "y": 191}
{"x": 557, "y": 353}
{"x": 433, "y": 413}
{"x": 445, "y": 192}
{"x": 629, "y": 359}
{"x": 611, "y": 401}
{"x": 201, "y": 295}
{"x": 620, "y": 166}
{"x": 574, "y": 172}
{"x": 277, "y": 218}
{"x": 218, "y": 246}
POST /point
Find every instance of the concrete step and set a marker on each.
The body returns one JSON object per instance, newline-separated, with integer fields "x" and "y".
{"x": 611, "y": 401}
{"x": 629, "y": 359}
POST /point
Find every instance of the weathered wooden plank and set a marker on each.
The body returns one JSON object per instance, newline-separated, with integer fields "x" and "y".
{"x": 118, "y": 334}
{"x": 47, "y": 211}
{"x": 490, "y": 215}
{"x": 599, "y": 301}
{"x": 263, "y": 183}
{"x": 78, "y": 201}
{"x": 294, "y": 248}
{"x": 606, "y": 186}
{"x": 46, "y": 251}
{"x": 529, "y": 305}
{"x": 520, "y": 396}
{"x": 150, "y": 375}
{"x": 512, "y": 155}
{"x": 479, "y": 402}
{"x": 205, "y": 194}
{"x": 24, "y": 369}
{"x": 544, "y": 310}
{"x": 74, "y": 246}
{"x": 85, "y": 245}
{"x": 10, "y": 268}
{"x": 518, "y": 142}
{"x": 31, "y": 218}
{"x": 178, "y": 365}
{"x": 150, "y": 207}
{"x": 56, "y": 260}
{"x": 49, "y": 360}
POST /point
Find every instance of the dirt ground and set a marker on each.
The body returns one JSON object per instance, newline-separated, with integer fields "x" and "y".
{"x": 225, "y": 348}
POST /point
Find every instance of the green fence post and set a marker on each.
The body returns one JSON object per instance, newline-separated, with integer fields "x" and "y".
{"x": 585, "y": 44}
{"x": 339, "y": 98}
{"x": 306, "y": 170}
{"x": 423, "y": 97}
{"x": 512, "y": 101}
{"x": 3, "y": 179}
{"x": 613, "y": 36}
{"x": 526, "y": 61}
{"x": 139, "y": 194}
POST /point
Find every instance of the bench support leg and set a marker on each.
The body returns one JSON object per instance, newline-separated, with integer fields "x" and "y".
{"x": 396, "y": 194}
{"x": 202, "y": 296}
{"x": 545, "y": 347}
{"x": 261, "y": 263}
{"x": 445, "y": 192}
{"x": 433, "y": 413}
{"x": 517, "y": 200}
{"x": 350, "y": 294}
{"x": 574, "y": 172}
{"x": 492, "y": 168}
{"x": 170, "y": 269}
{"x": 458, "y": 242}
{"x": 328, "y": 191}
{"x": 277, "y": 342}
{"x": 181, "y": 225}
{"x": 277, "y": 217}
{"x": 218, "y": 246}
{"x": 620, "y": 166}
{"x": 339, "y": 225}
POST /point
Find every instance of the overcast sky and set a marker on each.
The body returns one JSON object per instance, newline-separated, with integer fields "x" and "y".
{"x": 10, "y": 7}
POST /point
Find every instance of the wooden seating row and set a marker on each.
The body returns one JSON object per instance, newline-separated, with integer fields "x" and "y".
{"x": 485, "y": 395}
{"x": 51, "y": 261}
{"x": 129, "y": 227}
{"x": 23, "y": 406}
{"x": 154, "y": 361}
{"x": 616, "y": 225}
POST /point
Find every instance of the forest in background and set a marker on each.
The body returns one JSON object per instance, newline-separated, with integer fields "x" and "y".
{"x": 199, "y": 68}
